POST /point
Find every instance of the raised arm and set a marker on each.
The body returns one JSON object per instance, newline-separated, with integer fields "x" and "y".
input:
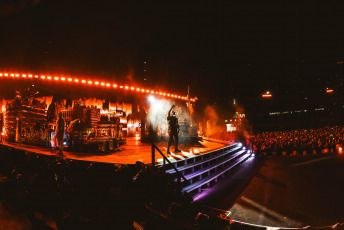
{"x": 169, "y": 112}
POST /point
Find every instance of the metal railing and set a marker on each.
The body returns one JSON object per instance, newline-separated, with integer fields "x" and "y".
{"x": 179, "y": 175}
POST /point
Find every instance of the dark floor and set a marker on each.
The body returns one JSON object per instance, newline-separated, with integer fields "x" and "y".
{"x": 289, "y": 191}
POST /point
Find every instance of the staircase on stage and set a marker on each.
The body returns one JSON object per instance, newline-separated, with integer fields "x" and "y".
{"x": 205, "y": 170}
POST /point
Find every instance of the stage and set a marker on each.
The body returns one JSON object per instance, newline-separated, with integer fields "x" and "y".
{"x": 131, "y": 152}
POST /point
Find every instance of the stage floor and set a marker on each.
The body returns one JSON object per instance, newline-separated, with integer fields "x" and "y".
{"x": 131, "y": 152}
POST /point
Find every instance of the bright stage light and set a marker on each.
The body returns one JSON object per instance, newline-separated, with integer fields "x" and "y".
{"x": 151, "y": 99}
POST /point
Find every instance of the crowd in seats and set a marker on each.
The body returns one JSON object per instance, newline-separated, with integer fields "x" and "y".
{"x": 302, "y": 141}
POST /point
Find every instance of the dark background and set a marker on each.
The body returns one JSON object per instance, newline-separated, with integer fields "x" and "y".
{"x": 222, "y": 49}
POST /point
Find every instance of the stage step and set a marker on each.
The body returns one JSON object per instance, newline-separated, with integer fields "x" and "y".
{"x": 215, "y": 166}
{"x": 197, "y": 186}
{"x": 204, "y": 170}
{"x": 204, "y": 156}
{"x": 199, "y": 162}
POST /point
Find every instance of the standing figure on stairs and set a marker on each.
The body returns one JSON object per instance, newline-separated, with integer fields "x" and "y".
{"x": 173, "y": 130}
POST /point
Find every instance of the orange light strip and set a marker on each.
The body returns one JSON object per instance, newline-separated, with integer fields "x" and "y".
{"x": 71, "y": 80}
{"x": 267, "y": 95}
{"x": 329, "y": 91}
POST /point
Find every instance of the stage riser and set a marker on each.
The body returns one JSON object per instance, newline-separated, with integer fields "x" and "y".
{"x": 202, "y": 157}
{"x": 205, "y": 170}
{"x": 206, "y": 182}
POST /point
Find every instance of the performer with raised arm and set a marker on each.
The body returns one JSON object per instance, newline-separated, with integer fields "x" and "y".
{"x": 173, "y": 130}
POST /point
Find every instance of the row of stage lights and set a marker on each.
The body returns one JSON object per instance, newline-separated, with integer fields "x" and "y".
{"x": 96, "y": 83}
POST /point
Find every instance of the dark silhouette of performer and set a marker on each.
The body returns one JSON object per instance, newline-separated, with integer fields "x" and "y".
{"x": 173, "y": 130}
{"x": 60, "y": 125}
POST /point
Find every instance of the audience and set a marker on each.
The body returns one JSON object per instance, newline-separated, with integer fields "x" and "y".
{"x": 303, "y": 141}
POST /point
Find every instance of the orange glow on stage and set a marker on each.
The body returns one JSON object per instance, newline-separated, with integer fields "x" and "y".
{"x": 329, "y": 90}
